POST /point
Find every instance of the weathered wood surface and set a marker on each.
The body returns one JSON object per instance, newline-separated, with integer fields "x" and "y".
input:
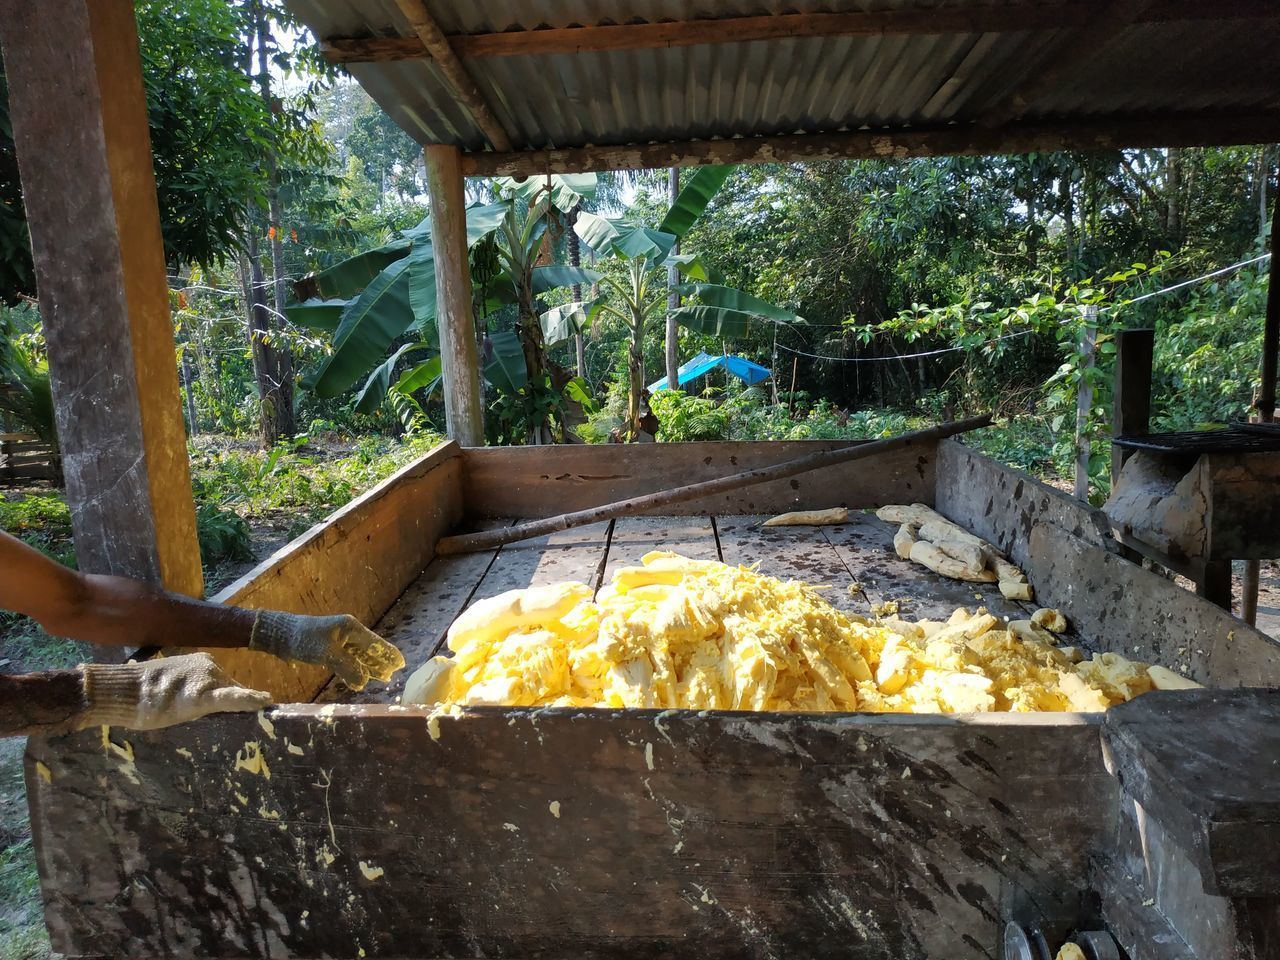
{"x": 681, "y": 491}
{"x": 460, "y": 366}
{"x": 358, "y": 561}
{"x": 1243, "y": 516}
{"x": 1206, "y": 765}
{"x": 1124, "y": 608}
{"x": 540, "y": 834}
{"x": 23, "y": 456}
{"x": 633, "y": 537}
{"x": 865, "y": 544}
{"x": 972, "y": 139}
{"x": 79, "y": 116}
{"x": 1001, "y": 504}
{"x": 596, "y": 38}
{"x": 545, "y": 481}
{"x": 1131, "y": 392}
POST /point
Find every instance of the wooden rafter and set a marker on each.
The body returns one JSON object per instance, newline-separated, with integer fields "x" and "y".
{"x": 1082, "y": 14}
{"x": 948, "y": 140}
{"x": 432, "y": 43}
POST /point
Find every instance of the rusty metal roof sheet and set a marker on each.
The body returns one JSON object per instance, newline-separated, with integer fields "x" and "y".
{"x": 1153, "y": 68}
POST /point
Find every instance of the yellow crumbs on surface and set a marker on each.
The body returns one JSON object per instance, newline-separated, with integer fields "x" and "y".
{"x": 45, "y": 773}
{"x": 699, "y": 634}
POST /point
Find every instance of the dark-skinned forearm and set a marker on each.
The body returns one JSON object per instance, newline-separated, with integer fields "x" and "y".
{"x": 41, "y": 703}
{"x": 117, "y": 611}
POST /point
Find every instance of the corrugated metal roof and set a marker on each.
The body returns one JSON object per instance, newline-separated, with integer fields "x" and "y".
{"x": 799, "y": 84}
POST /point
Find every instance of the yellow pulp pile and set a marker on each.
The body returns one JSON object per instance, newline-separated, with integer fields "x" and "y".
{"x": 698, "y": 634}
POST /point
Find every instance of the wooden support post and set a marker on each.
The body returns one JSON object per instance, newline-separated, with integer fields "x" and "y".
{"x": 1215, "y": 583}
{"x": 461, "y": 371}
{"x": 1266, "y": 405}
{"x": 1131, "y": 396}
{"x": 79, "y": 116}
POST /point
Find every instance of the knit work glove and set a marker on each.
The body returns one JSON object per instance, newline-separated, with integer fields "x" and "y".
{"x": 339, "y": 643}
{"x": 161, "y": 693}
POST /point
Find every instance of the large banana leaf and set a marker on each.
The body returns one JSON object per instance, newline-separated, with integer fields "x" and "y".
{"x": 695, "y": 266}
{"x": 567, "y": 189}
{"x": 422, "y": 284}
{"x": 426, "y": 374}
{"x": 316, "y": 314}
{"x": 507, "y": 370}
{"x": 374, "y": 391}
{"x": 345, "y": 279}
{"x": 630, "y": 241}
{"x": 558, "y": 275}
{"x": 369, "y": 325}
{"x": 725, "y": 312}
{"x": 693, "y": 198}
{"x": 567, "y": 320}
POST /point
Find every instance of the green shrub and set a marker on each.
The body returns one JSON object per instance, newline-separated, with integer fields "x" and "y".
{"x": 685, "y": 417}
{"x": 223, "y": 534}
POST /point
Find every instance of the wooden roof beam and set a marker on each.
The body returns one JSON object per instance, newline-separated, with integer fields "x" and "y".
{"x": 1079, "y": 14}
{"x": 435, "y": 45}
{"x": 949, "y": 140}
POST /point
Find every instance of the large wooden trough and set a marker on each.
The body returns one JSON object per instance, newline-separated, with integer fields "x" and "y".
{"x": 332, "y": 826}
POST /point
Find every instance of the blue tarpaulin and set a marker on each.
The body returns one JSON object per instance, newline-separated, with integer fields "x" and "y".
{"x": 746, "y": 371}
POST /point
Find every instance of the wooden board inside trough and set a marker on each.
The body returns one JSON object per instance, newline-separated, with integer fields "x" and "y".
{"x": 347, "y": 831}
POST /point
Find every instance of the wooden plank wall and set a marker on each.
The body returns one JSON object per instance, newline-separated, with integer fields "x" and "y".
{"x": 591, "y": 834}
{"x": 1121, "y": 607}
{"x": 24, "y": 456}
{"x": 545, "y": 481}
{"x": 1001, "y": 504}
{"x": 358, "y": 561}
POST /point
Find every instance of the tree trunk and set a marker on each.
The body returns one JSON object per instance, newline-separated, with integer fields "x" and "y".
{"x": 673, "y": 298}
{"x": 1068, "y": 211}
{"x": 281, "y": 361}
{"x": 1173, "y": 195}
{"x": 575, "y": 260}
{"x": 635, "y": 371}
{"x": 187, "y": 376}
{"x": 258, "y": 331}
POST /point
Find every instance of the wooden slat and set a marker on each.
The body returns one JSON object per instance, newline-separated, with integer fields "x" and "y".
{"x": 1109, "y": 133}
{"x": 577, "y": 554}
{"x": 866, "y": 547}
{"x": 358, "y": 561}
{"x": 586, "y": 834}
{"x": 418, "y": 622}
{"x": 633, "y": 537}
{"x": 604, "y": 38}
{"x": 790, "y": 553}
{"x": 545, "y": 481}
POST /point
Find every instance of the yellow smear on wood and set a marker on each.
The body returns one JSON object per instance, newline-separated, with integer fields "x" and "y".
{"x": 267, "y": 726}
{"x": 45, "y": 773}
{"x": 250, "y": 759}
{"x": 554, "y": 807}
{"x": 370, "y": 872}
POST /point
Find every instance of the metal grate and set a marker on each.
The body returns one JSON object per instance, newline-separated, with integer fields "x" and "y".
{"x": 1243, "y": 439}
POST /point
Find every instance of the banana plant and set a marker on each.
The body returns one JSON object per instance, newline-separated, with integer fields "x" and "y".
{"x": 640, "y": 296}
{"x": 373, "y": 299}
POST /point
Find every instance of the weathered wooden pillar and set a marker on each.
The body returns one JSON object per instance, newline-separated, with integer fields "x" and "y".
{"x": 1131, "y": 397}
{"x": 80, "y": 124}
{"x": 463, "y": 417}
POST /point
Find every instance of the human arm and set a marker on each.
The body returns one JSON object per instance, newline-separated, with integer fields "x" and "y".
{"x": 117, "y": 611}
{"x": 138, "y": 696}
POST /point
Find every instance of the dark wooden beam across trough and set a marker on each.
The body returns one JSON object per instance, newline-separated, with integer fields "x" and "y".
{"x": 1188, "y": 130}
{"x": 605, "y": 38}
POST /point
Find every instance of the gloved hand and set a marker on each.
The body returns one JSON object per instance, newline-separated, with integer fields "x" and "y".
{"x": 338, "y": 643}
{"x": 162, "y": 693}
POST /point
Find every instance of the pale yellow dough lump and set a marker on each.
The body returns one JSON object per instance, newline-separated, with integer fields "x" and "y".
{"x": 699, "y": 634}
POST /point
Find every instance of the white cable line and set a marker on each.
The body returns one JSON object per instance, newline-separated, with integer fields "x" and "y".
{"x": 1187, "y": 283}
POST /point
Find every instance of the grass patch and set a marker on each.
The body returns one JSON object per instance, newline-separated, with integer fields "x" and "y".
{"x": 22, "y": 931}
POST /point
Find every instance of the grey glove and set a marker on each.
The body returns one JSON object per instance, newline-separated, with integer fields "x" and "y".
{"x": 162, "y": 693}
{"x": 338, "y": 643}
